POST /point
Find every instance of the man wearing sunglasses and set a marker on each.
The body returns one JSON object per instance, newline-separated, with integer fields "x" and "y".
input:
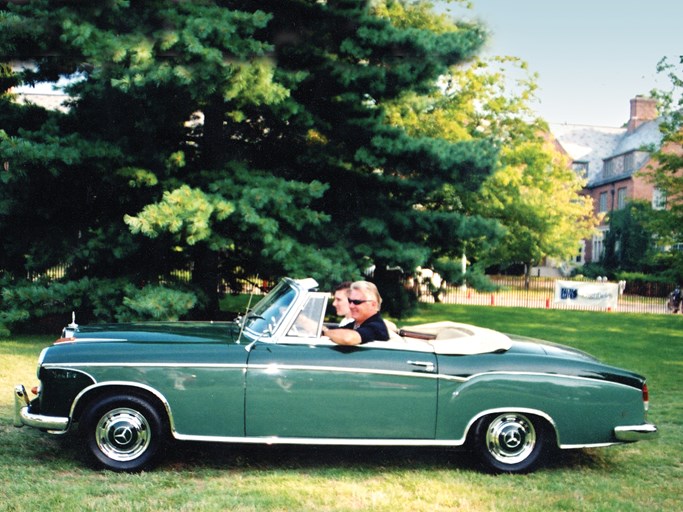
{"x": 368, "y": 325}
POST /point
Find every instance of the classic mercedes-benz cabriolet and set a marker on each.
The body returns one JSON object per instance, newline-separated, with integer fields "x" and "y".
{"x": 271, "y": 377}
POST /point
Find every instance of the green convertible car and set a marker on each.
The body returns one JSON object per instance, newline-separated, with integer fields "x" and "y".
{"x": 271, "y": 377}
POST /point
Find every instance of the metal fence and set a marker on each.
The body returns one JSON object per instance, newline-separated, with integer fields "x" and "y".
{"x": 511, "y": 291}
{"x": 539, "y": 292}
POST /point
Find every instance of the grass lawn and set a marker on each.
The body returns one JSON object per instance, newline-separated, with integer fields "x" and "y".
{"x": 41, "y": 472}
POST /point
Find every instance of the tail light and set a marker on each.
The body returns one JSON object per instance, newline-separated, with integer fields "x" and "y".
{"x": 646, "y": 397}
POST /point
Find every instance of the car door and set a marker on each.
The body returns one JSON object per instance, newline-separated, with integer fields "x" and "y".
{"x": 317, "y": 389}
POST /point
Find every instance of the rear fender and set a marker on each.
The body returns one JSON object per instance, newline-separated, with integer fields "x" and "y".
{"x": 581, "y": 411}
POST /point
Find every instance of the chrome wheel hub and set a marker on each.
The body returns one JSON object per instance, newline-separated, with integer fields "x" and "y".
{"x": 510, "y": 438}
{"x": 123, "y": 434}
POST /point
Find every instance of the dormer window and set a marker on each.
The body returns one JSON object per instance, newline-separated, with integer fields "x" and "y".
{"x": 630, "y": 162}
{"x": 609, "y": 166}
{"x": 580, "y": 167}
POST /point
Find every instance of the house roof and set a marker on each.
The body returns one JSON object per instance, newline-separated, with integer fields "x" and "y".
{"x": 594, "y": 144}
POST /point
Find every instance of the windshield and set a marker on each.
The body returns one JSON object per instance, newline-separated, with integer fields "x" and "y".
{"x": 308, "y": 321}
{"x": 266, "y": 315}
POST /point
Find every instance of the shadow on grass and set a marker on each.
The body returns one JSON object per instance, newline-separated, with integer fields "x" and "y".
{"x": 29, "y": 447}
{"x": 282, "y": 457}
{"x": 310, "y": 457}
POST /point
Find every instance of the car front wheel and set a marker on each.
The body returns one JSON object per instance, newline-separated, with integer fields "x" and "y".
{"x": 510, "y": 442}
{"x": 123, "y": 433}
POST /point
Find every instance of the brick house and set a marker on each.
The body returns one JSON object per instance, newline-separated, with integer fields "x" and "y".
{"x": 610, "y": 159}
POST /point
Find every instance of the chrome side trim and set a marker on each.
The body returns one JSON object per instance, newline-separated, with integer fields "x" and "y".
{"x": 587, "y": 445}
{"x": 315, "y": 441}
{"x": 341, "y": 369}
{"x": 631, "y": 433}
{"x": 69, "y": 368}
{"x": 91, "y": 340}
{"x": 69, "y": 365}
{"x": 268, "y": 367}
{"x": 274, "y": 366}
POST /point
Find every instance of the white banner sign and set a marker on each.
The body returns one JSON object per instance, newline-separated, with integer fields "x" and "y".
{"x": 601, "y": 295}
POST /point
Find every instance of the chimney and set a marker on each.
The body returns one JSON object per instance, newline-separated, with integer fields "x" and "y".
{"x": 642, "y": 110}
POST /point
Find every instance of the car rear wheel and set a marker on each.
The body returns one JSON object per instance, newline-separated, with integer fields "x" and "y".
{"x": 510, "y": 442}
{"x": 123, "y": 433}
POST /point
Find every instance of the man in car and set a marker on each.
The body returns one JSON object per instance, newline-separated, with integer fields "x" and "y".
{"x": 340, "y": 302}
{"x": 365, "y": 303}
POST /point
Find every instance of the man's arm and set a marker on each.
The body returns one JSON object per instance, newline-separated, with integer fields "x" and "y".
{"x": 342, "y": 336}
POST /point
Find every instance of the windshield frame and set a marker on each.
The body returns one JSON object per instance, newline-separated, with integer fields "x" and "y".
{"x": 272, "y": 313}
{"x": 263, "y": 319}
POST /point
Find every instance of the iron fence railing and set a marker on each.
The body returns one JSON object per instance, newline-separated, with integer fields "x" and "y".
{"x": 510, "y": 291}
{"x": 539, "y": 292}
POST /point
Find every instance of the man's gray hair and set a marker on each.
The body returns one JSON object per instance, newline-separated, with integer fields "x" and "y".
{"x": 368, "y": 289}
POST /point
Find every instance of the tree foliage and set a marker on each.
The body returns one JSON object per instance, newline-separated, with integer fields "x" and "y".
{"x": 533, "y": 194}
{"x": 666, "y": 171}
{"x": 537, "y": 197}
{"x": 226, "y": 138}
{"x": 629, "y": 244}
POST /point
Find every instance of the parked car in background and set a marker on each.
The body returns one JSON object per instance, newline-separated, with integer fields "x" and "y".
{"x": 271, "y": 377}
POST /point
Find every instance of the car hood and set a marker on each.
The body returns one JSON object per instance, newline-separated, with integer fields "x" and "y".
{"x": 160, "y": 332}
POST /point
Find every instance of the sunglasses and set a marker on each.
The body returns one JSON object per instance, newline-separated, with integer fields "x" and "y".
{"x": 358, "y": 302}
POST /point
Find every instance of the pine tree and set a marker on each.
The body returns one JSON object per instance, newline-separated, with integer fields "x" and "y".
{"x": 224, "y": 137}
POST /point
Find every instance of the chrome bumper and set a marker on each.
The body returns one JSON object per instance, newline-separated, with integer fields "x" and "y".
{"x": 22, "y": 416}
{"x": 632, "y": 433}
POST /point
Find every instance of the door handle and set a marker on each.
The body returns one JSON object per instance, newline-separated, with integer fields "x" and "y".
{"x": 426, "y": 366}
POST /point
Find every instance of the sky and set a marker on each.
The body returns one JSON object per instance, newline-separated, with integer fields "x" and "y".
{"x": 592, "y": 56}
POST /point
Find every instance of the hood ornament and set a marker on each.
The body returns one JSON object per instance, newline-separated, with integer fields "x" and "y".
{"x": 70, "y": 329}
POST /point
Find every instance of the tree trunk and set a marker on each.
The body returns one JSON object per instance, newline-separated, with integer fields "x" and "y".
{"x": 527, "y": 275}
{"x": 205, "y": 276}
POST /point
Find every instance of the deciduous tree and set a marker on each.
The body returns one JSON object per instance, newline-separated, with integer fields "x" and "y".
{"x": 533, "y": 194}
{"x": 666, "y": 171}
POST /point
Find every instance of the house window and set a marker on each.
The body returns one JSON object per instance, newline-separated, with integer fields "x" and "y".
{"x": 658, "y": 199}
{"x": 621, "y": 198}
{"x": 598, "y": 246}
{"x": 629, "y": 162}
{"x": 580, "y": 168}
{"x": 603, "y": 202}
{"x": 580, "y": 257}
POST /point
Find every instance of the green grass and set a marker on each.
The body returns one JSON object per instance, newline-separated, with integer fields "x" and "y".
{"x": 41, "y": 472}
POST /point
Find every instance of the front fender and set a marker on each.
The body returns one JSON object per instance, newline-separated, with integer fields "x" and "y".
{"x": 92, "y": 393}
{"x": 59, "y": 387}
